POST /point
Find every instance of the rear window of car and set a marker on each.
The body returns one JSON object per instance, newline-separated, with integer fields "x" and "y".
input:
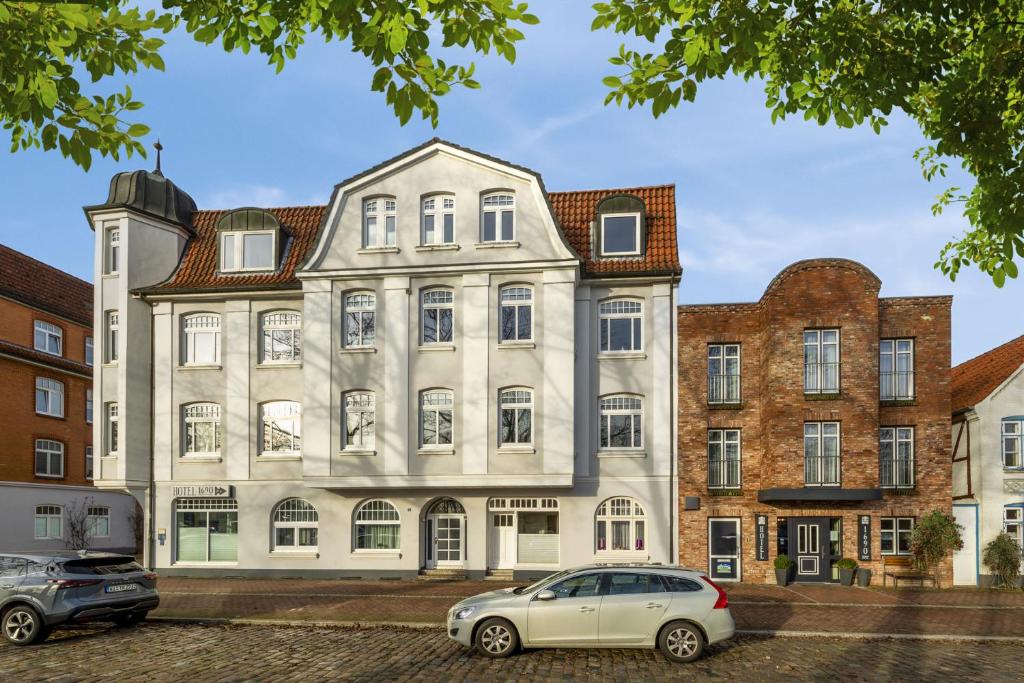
{"x": 102, "y": 566}
{"x": 678, "y": 584}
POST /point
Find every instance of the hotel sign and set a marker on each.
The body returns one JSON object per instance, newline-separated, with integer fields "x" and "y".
{"x": 762, "y": 537}
{"x": 864, "y": 537}
{"x": 204, "y": 491}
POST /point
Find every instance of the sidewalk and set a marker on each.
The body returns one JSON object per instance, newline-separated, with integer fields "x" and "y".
{"x": 813, "y": 609}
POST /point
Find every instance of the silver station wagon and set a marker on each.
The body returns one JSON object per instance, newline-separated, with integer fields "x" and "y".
{"x": 41, "y": 590}
{"x": 679, "y": 611}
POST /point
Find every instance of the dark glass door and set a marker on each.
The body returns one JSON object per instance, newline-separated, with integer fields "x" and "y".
{"x": 809, "y": 543}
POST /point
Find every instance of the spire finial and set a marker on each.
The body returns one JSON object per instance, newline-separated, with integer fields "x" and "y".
{"x": 158, "y": 147}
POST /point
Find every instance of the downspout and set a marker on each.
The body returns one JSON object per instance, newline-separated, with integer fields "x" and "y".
{"x": 673, "y": 401}
{"x": 151, "y": 527}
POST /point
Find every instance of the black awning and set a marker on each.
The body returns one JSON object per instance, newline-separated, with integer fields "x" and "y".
{"x": 817, "y": 494}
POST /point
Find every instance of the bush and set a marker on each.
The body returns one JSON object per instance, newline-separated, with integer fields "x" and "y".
{"x": 1002, "y": 555}
{"x": 783, "y": 562}
{"x": 935, "y": 536}
{"x": 846, "y": 563}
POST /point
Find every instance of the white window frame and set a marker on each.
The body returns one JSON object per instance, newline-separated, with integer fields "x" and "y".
{"x": 290, "y": 411}
{"x": 439, "y": 208}
{"x": 495, "y": 203}
{"x": 896, "y": 436}
{"x": 51, "y": 393}
{"x": 819, "y": 438}
{"x": 237, "y": 251}
{"x": 97, "y": 521}
{"x": 112, "y": 321}
{"x": 515, "y": 298}
{"x": 112, "y": 252}
{"x": 90, "y": 464}
{"x": 48, "y": 338}
{"x": 616, "y": 405}
{"x": 1013, "y": 522}
{"x": 357, "y": 307}
{"x": 619, "y": 509}
{"x": 383, "y": 212}
{"x": 819, "y": 373}
{"x": 113, "y": 432}
{"x": 206, "y": 506}
{"x": 376, "y": 512}
{"x": 89, "y": 351}
{"x": 439, "y": 307}
{"x": 895, "y": 532}
{"x": 88, "y": 406}
{"x": 620, "y": 309}
{"x": 295, "y": 514}
{"x": 286, "y": 323}
{"x": 891, "y": 348}
{"x": 194, "y": 326}
{"x": 50, "y": 448}
{"x": 362, "y": 405}
{"x": 202, "y": 413}
{"x": 1012, "y": 443}
{"x": 515, "y": 400}
{"x": 723, "y": 386}
{"x": 636, "y": 234}
{"x": 723, "y": 439}
{"x": 51, "y": 514}
{"x": 442, "y": 400}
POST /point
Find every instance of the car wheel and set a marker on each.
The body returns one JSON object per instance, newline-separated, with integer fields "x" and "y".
{"x": 22, "y": 625}
{"x": 130, "y": 619}
{"x": 681, "y": 642}
{"x": 496, "y": 638}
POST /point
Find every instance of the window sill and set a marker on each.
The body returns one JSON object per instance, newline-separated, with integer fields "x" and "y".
{"x": 378, "y": 250}
{"x": 436, "y": 451}
{"x": 726, "y": 406}
{"x": 49, "y": 476}
{"x": 200, "y": 458}
{"x": 620, "y": 255}
{"x": 897, "y": 402}
{"x": 52, "y": 417}
{"x": 271, "y": 365}
{"x": 377, "y": 554}
{"x": 110, "y": 456}
{"x": 725, "y": 491}
{"x": 204, "y": 564}
{"x": 900, "y": 490}
{"x": 265, "y": 457}
{"x": 112, "y": 364}
{"x": 516, "y": 345}
{"x": 622, "y": 355}
{"x": 612, "y": 453}
{"x": 1013, "y": 470}
{"x": 438, "y": 247}
{"x": 107, "y": 276}
{"x": 497, "y": 244}
{"x": 516, "y": 450}
{"x": 356, "y": 451}
{"x": 424, "y": 348}
{"x": 293, "y": 554}
{"x": 208, "y": 366}
{"x": 357, "y": 349}
{"x": 833, "y": 396}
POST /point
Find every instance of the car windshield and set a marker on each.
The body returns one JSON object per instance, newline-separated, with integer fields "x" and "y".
{"x": 537, "y": 584}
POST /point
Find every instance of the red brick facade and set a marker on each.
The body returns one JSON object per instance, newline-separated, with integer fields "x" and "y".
{"x": 773, "y": 409}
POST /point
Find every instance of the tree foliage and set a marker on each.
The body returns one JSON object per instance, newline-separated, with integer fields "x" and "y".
{"x": 1003, "y": 556}
{"x": 956, "y": 68}
{"x": 935, "y": 536}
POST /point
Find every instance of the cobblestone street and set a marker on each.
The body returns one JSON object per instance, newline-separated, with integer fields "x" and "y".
{"x": 194, "y": 653}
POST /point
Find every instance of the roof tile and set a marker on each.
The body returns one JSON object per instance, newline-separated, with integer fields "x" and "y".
{"x": 42, "y": 286}
{"x": 978, "y": 377}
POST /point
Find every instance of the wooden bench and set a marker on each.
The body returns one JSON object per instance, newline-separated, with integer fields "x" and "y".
{"x": 902, "y": 567}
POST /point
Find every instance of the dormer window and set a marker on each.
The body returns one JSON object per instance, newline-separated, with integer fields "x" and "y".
{"x": 498, "y": 217}
{"x": 620, "y": 227}
{"x": 380, "y": 218}
{"x": 249, "y": 240}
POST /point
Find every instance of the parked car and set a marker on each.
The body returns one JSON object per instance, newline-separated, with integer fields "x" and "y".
{"x": 679, "y": 611}
{"x": 41, "y": 590}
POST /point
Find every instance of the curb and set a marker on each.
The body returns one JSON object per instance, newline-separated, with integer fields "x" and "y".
{"x": 880, "y": 636}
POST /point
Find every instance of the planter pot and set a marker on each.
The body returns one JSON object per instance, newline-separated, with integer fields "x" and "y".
{"x": 782, "y": 577}
{"x": 846, "y": 576}
{"x": 987, "y": 580}
{"x": 864, "y": 577}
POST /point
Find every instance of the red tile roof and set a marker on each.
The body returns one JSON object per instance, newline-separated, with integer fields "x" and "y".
{"x": 577, "y": 210}
{"x": 56, "y": 362}
{"x": 978, "y": 377}
{"x": 36, "y": 284}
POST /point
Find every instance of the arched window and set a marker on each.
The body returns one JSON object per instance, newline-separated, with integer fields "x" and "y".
{"x": 438, "y": 220}
{"x": 201, "y": 430}
{"x": 621, "y": 324}
{"x": 200, "y": 339}
{"x": 437, "y": 312}
{"x": 360, "y": 319}
{"x": 359, "y": 419}
{"x": 282, "y": 428}
{"x": 295, "y": 526}
{"x": 498, "y": 217}
{"x": 621, "y": 526}
{"x": 282, "y": 337}
{"x": 516, "y": 416}
{"x": 516, "y": 315}
{"x": 380, "y": 218}
{"x": 436, "y": 412}
{"x": 622, "y": 419}
{"x": 377, "y": 526}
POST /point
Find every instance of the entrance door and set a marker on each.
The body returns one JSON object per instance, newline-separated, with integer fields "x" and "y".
{"x": 965, "y": 560}
{"x": 503, "y": 540}
{"x": 724, "y": 549}
{"x": 448, "y": 541}
{"x": 809, "y": 539}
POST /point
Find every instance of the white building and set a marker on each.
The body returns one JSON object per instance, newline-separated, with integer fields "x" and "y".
{"x": 447, "y": 368}
{"x": 988, "y": 454}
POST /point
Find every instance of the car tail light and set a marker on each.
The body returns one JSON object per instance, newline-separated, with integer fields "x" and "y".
{"x": 151, "y": 576}
{"x": 73, "y": 583}
{"x": 723, "y": 600}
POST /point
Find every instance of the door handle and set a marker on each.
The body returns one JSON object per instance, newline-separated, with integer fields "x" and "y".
{"x": 7, "y": 585}
{"x": 652, "y": 605}
{"x": 586, "y": 609}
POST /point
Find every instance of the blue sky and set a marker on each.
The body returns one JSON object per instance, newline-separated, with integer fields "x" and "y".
{"x": 752, "y": 197}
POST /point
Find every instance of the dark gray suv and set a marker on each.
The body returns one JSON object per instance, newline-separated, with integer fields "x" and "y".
{"x": 41, "y": 590}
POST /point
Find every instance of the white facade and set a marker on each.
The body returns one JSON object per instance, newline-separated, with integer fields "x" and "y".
{"x": 988, "y": 474}
{"x": 434, "y": 440}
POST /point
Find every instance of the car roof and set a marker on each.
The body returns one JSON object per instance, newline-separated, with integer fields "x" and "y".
{"x": 61, "y": 555}
{"x": 647, "y": 566}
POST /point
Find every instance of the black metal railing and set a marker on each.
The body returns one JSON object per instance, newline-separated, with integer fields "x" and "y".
{"x": 896, "y": 386}
{"x": 724, "y": 388}
{"x": 821, "y": 378}
{"x": 821, "y": 470}
{"x": 723, "y": 473}
{"x": 896, "y": 473}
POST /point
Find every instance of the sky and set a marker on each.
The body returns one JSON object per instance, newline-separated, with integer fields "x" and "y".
{"x": 752, "y": 197}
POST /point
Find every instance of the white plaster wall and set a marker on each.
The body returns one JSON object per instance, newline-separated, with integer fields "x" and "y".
{"x": 18, "y": 504}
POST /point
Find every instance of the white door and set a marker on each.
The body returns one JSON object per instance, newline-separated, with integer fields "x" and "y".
{"x": 503, "y": 540}
{"x": 449, "y": 540}
{"x": 965, "y": 560}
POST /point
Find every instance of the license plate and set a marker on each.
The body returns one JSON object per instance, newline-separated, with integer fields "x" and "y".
{"x": 121, "y": 587}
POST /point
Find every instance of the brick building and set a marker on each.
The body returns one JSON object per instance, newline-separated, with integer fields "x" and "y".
{"x": 824, "y": 366}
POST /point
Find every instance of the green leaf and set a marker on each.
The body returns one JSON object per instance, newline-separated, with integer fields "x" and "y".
{"x": 612, "y": 81}
{"x": 137, "y": 130}
{"x": 268, "y": 24}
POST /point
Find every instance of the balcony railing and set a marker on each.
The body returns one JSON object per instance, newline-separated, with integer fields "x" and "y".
{"x": 821, "y": 470}
{"x": 724, "y": 388}
{"x": 897, "y": 473}
{"x": 896, "y": 386}
{"x": 821, "y": 378}
{"x": 723, "y": 473}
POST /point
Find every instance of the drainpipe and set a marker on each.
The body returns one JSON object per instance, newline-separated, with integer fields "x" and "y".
{"x": 673, "y": 401}
{"x": 151, "y": 526}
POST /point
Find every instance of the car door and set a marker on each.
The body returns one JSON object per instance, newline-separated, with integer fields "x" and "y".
{"x": 631, "y": 607}
{"x": 569, "y": 619}
{"x": 12, "y": 573}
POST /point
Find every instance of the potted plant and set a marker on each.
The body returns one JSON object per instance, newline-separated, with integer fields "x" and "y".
{"x": 847, "y": 566}
{"x": 863, "y": 577}
{"x": 935, "y": 537}
{"x": 782, "y": 566}
{"x": 1002, "y": 555}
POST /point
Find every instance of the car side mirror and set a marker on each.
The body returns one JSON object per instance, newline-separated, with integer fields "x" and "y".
{"x": 546, "y": 595}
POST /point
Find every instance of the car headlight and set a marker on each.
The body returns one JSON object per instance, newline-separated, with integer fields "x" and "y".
{"x": 464, "y": 612}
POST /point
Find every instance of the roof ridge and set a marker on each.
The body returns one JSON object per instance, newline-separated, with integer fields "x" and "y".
{"x": 268, "y": 208}
{"x": 615, "y": 189}
{"x": 993, "y": 350}
{"x": 55, "y": 269}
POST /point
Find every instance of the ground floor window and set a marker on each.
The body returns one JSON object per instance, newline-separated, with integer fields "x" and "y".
{"x": 98, "y": 521}
{"x": 377, "y": 526}
{"x": 621, "y": 526}
{"x": 524, "y": 531}
{"x": 895, "y": 536}
{"x": 49, "y": 522}
{"x": 724, "y": 548}
{"x": 296, "y": 525}
{"x": 206, "y": 530}
{"x": 1013, "y": 522}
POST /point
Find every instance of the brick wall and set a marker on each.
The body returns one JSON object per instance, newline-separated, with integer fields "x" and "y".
{"x": 822, "y": 293}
